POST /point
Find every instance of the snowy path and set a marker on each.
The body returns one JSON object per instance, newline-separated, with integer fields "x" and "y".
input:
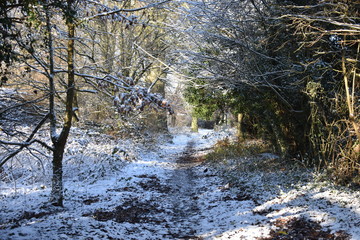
{"x": 165, "y": 194}
{"x": 168, "y": 194}
{"x": 182, "y": 196}
{"x": 194, "y": 202}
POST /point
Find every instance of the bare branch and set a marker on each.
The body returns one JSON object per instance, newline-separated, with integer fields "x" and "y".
{"x": 27, "y": 143}
{"x": 103, "y": 14}
{"x": 22, "y": 104}
{"x": 355, "y": 27}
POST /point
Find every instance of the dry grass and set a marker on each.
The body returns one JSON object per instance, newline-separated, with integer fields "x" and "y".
{"x": 248, "y": 156}
{"x": 228, "y": 149}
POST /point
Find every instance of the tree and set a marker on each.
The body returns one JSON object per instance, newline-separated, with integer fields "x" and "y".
{"x": 208, "y": 103}
{"x": 292, "y": 66}
{"x": 329, "y": 33}
{"x": 227, "y": 55}
{"x": 136, "y": 49}
{"x": 48, "y": 53}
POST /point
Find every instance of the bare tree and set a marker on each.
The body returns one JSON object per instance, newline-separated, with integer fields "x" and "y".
{"x": 134, "y": 49}
{"x": 46, "y": 46}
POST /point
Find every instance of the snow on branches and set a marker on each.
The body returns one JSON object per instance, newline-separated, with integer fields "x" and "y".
{"x": 129, "y": 97}
{"x": 137, "y": 99}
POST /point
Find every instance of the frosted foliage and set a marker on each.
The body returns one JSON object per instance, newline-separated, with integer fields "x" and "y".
{"x": 136, "y": 98}
{"x": 88, "y": 156}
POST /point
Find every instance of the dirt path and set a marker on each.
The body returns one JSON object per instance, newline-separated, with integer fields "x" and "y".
{"x": 172, "y": 198}
{"x": 183, "y": 195}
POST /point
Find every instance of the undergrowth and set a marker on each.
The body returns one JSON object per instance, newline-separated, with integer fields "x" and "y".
{"x": 234, "y": 157}
{"x": 227, "y": 149}
{"x": 249, "y": 156}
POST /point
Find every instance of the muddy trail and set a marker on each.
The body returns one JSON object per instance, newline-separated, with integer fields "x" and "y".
{"x": 179, "y": 195}
{"x": 172, "y": 205}
{"x": 183, "y": 195}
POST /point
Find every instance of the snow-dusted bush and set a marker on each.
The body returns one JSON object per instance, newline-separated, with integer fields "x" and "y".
{"x": 89, "y": 156}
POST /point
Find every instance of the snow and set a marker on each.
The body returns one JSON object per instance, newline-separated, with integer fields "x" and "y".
{"x": 167, "y": 199}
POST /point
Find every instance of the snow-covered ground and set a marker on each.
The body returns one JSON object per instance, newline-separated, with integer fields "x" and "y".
{"x": 164, "y": 192}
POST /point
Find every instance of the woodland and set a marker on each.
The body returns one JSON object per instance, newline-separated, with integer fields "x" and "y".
{"x": 281, "y": 75}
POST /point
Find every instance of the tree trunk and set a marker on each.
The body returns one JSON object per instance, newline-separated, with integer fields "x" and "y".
{"x": 194, "y": 124}
{"x": 157, "y": 86}
{"x": 350, "y": 99}
{"x": 56, "y": 196}
{"x": 59, "y": 142}
{"x": 57, "y": 178}
{"x": 172, "y": 120}
{"x": 278, "y": 138}
{"x": 240, "y": 134}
